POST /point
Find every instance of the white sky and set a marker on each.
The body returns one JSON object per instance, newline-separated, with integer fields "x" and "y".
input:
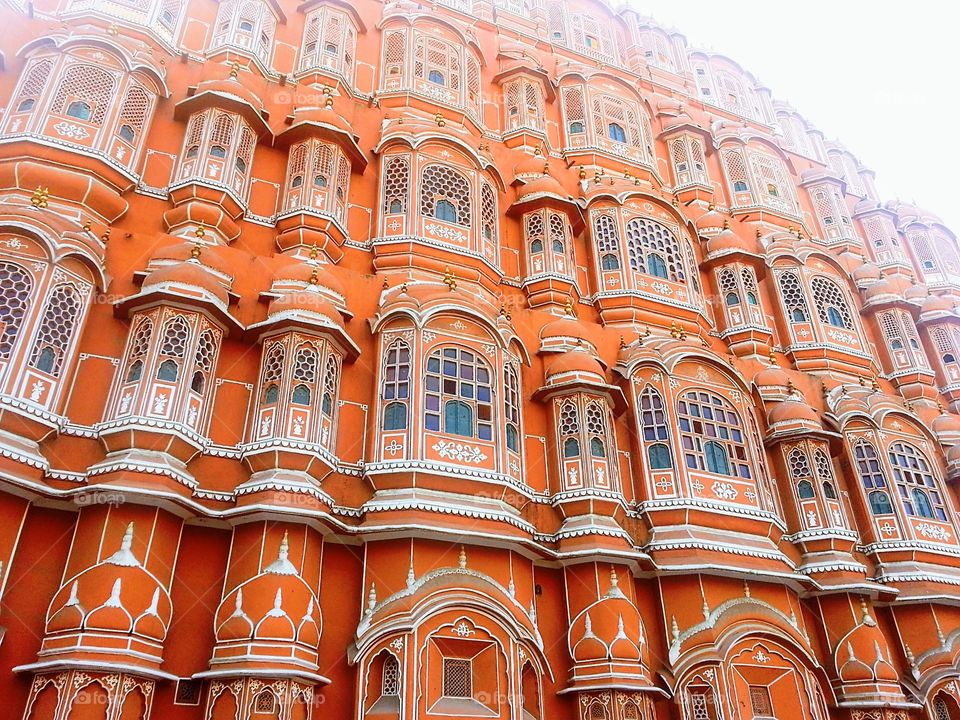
{"x": 879, "y": 76}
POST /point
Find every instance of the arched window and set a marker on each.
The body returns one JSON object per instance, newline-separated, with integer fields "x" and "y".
{"x": 331, "y": 383}
{"x": 597, "y": 430}
{"x": 16, "y": 293}
{"x": 872, "y": 477}
{"x": 390, "y": 682}
{"x": 457, "y": 382}
{"x": 56, "y": 330}
{"x": 653, "y": 426}
{"x": 791, "y": 292}
{"x": 805, "y": 490}
{"x": 652, "y": 248}
{"x": 246, "y": 24}
{"x": 569, "y": 430}
{"x": 880, "y": 503}
{"x": 32, "y": 84}
{"x": 511, "y": 407}
{"x": 396, "y": 184}
{"x": 831, "y": 303}
{"x": 395, "y": 386}
{"x": 712, "y": 435}
{"x": 616, "y": 132}
{"x": 915, "y": 482}
{"x": 173, "y": 347}
{"x": 273, "y": 373}
{"x": 84, "y": 93}
{"x": 204, "y": 359}
{"x": 445, "y": 195}
{"x": 608, "y": 241}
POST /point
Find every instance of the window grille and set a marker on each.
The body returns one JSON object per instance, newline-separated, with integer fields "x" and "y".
{"x": 707, "y": 419}
{"x": 574, "y": 110}
{"x": 396, "y": 184}
{"x": 940, "y": 710}
{"x": 653, "y": 425}
{"x": 331, "y": 384}
{"x": 457, "y": 678}
{"x": 653, "y": 249}
{"x": 139, "y": 345}
{"x": 329, "y": 41}
{"x": 133, "y": 112}
{"x": 511, "y": 402}
{"x": 760, "y": 701}
{"x": 32, "y": 86}
{"x": 265, "y": 702}
{"x": 791, "y": 292}
{"x": 88, "y": 84}
{"x": 390, "y": 686}
{"x": 569, "y": 430}
{"x": 597, "y": 429}
{"x": 799, "y": 464}
{"x": 458, "y": 389}
{"x": 736, "y": 169}
{"x": 16, "y": 288}
{"x": 439, "y": 182}
{"x": 607, "y": 238}
{"x": 57, "y": 326}
{"x": 488, "y": 213}
{"x": 915, "y": 481}
{"x": 394, "y": 57}
{"x": 826, "y": 295}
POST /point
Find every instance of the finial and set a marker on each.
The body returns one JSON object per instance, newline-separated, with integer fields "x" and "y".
{"x": 314, "y": 278}
{"x": 674, "y": 331}
{"x": 234, "y": 70}
{"x": 582, "y": 174}
{"x": 124, "y": 556}
{"x": 674, "y": 628}
{"x": 40, "y": 197}
{"x": 675, "y": 202}
{"x": 86, "y": 226}
{"x": 113, "y": 30}
{"x": 372, "y": 598}
{"x": 196, "y": 250}
{"x": 705, "y": 609}
{"x": 614, "y": 580}
{"x": 773, "y": 356}
{"x": 411, "y": 576}
{"x": 200, "y": 232}
{"x": 385, "y": 285}
{"x": 462, "y": 559}
{"x": 449, "y": 279}
{"x": 791, "y": 388}
{"x": 867, "y": 620}
{"x": 726, "y": 224}
{"x": 440, "y": 120}
{"x": 537, "y": 152}
{"x": 874, "y": 385}
{"x": 105, "y": 237}
{"x": 711, "y": 207}
{"x": 546, "y": 168}
{"x": 623, "y": 343}
{"x": 568, "y": 307}
{"x": 746, "y": 589}
{"x": 314, "y": 253}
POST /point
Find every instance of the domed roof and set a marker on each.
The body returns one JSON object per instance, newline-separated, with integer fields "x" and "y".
{"x": 323, "y": 115}
{"x": 574, "y": 363}
{"x": 189, "y": 274}
{"x": 792, "y": 412}
{"x": 298, "y": 271}
{"x": 530, "y": 167}
{"x": 231, "y": 94}
{"x": 610, "y": 629}
{"x": 275, "y": 605}
{"x": 308, "y": 301}
{"x": 565, "y": 333}
{"x": 711, "y": 220}
{"x": 727, "y": 241}
{"x": 867, "y": 272}
{"x": 772, "y": 376}
{"x": 946, "y": 423}
{"x": 231, "y": 87}
{"x": 117, "y": 595}
{"x": 538, "y": 187}
{"x": 211, "y": 256}
{"x": 879, "y": 289}
{"x": 937, "y": 304}
{"x": 915, "y": 291}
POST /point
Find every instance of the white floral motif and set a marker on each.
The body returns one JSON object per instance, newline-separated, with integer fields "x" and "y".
{"x": 447, "y": 233}
{"x": 761, "y": 657}
{"x": 125, "y": 402}
{"x": 724, "y": 491}
{"x": 463, "y": 630}
{"x": 36, "y": 390}
{"x": 459, "y": 451}
{"x": 935, "y": 532}
{"x": 393, "y": 447}
{"x": 397, "y": 644}
{"x": 74, "y": 132}
{"x": 160, "y": 404}
{"x": 662, "y": 288}
{"x": 697, "y": 486}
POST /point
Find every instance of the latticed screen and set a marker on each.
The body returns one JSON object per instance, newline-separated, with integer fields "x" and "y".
{"x": 15, "y": 288}
{"x": 760, "y": 701}
{"x": 653, "y": 249}
{"x": 831, "y": 304}
{"x": 84, "y": 85}
{"x": 445, "y": 194}
{"x": 390, "y": 687}
{"x": 457, "y": 680}
{"x": 56, "y": 329}
{"x": 793, "y": 297}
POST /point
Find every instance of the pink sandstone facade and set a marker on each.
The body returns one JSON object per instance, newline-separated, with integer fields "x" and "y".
{"x": 514, "y": 360}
